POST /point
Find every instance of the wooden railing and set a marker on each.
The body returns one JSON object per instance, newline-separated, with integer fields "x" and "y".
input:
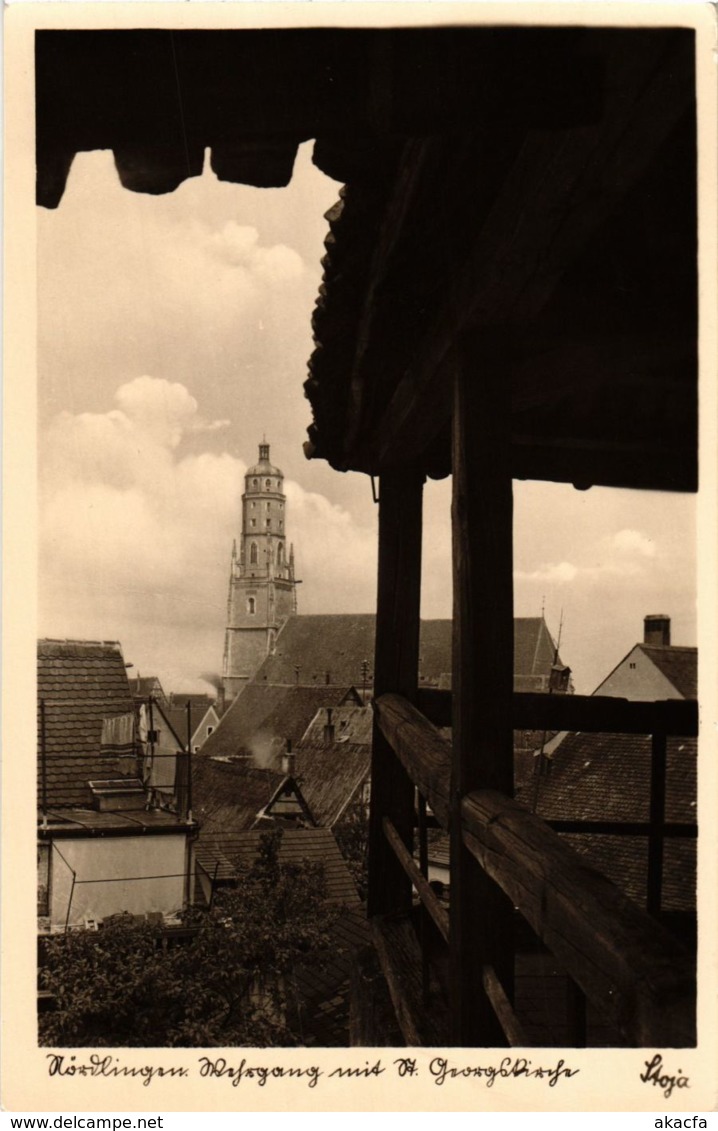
{"x": 624, "y": 961}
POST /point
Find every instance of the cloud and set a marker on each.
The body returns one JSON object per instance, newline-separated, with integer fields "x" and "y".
{"x": 136, "y": 533}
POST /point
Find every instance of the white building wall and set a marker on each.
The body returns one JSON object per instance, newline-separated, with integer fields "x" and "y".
{"x": 114, "y": 874}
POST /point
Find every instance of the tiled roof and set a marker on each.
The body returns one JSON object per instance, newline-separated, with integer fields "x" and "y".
{"x": 606, "y": 777}
{"x": 331, "y": 773}
{"x": 263, "y": 716}
{"x": 177, "y": 720}
{"x": 228, "y": 795}
{"x": 199, "y": 702}
{"x": 679, "y": 665}
{"x": 81, "y": 683}
{"x": 340, "y": 643}
{"x": 331, "y": 776}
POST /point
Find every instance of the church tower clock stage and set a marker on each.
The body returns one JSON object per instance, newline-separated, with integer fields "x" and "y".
{"x": 262, "y": 586}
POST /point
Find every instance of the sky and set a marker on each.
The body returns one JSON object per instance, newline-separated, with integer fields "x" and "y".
{"x": 173, "y": 334}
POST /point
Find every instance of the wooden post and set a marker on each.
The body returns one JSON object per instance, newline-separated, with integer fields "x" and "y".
{"x": 482, "y": 679}
{"x": 396, "y": 666}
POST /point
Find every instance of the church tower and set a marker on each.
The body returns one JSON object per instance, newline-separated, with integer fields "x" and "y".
{"x": 262, "y": 588}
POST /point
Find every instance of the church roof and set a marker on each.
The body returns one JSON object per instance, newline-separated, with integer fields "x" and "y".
{"x": 331, "y": 772}
{"x": 595, "y": 777}
{"x": 237, "y": 851}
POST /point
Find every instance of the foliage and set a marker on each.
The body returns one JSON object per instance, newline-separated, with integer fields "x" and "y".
{"x": 235, "y": 981}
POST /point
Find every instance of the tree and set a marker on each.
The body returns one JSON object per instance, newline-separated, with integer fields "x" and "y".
{"x": 237, "y": 980}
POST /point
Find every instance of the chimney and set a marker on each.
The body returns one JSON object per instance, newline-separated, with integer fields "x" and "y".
{"x": 657, "y": 630}
{"x": 329, "y": 728}
{"x": 289, "y": 760}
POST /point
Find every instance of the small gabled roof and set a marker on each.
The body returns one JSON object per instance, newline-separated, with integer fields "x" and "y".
{"x": 198, "y": 701}
{"x": 240, "y": 849}
{"x": 81, "y": 683}
{"x": 678, "y": 664}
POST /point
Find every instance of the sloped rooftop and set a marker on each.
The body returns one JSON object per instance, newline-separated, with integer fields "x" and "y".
{"x": 596, "y": 777}
{"x": 678, "y": 664}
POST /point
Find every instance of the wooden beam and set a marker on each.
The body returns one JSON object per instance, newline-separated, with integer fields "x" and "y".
{"x": 396, "y": 666}
{"x": 482, "y": 677}
{"x": 625, "y": 962}
{"x": 561, "y": 188}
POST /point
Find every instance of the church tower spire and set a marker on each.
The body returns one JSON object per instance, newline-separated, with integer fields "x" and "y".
{"x": 262, "y": 586}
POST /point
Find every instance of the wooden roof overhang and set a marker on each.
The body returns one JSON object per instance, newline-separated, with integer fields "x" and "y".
{"x": 530, "y": 189}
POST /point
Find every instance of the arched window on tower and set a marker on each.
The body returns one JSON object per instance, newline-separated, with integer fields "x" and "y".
{"x": 280, "y": 553}
{"x": 255, "y": 483}
{"x": 251, "y": 605}
{"x": 253, "y": 554}
{"x": 267, "y": 483}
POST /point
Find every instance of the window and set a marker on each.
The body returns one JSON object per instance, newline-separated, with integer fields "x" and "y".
{"x": 269, "y": 523}
{"x": 280, "y": 552}
{"x": 631, "y": 665}
{"x": 251, "y": 605}
{"x": 255, "y": 483}
{"x": 253, "y": 554}
{"x": 253, "y": 522}
{"x": 267, "y": 483}
{"x": 209, "y": 731}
